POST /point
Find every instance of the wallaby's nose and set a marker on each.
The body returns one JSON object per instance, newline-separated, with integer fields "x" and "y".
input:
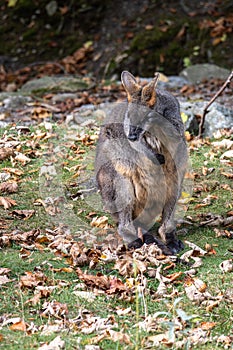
{"x": 132, "y": 137}
{"x": 134, "y": 132}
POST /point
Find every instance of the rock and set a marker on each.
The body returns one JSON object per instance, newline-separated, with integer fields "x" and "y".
{"x": 13, "y": 100}
{"x": 218, "y": 117}
{"x": 84, "y": 113}
{"x": 63, "y": 96}
{"x": 174, "y": 82}
{"x": 56, "y": 84}
{"x": 199, "y": 72}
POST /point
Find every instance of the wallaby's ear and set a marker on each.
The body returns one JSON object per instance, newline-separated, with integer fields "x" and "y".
{"x": 130, "y": 84}
{"x": 149, "y": 92}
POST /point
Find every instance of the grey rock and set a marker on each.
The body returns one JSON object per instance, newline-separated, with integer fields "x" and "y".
{"x": 63, "y": 96}
{"x": 218, "y": 117}
{"x": 174, "y": 82}
{"x": 198, "y": 72}
{"x": 55, "y": 84}
{"x": 14, "y": 101}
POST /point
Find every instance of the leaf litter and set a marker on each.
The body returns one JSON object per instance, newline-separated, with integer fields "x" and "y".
{"x": 107, "y": 269}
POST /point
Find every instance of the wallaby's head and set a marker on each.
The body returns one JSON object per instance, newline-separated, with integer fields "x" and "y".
{"x": 141, "y": 100}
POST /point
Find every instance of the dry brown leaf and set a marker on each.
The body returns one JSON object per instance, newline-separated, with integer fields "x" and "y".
{"x": 14, "y": 171}
{"x": 32, "y": 279}
{"x": 223, "y": 233}
{"x": 195, "y": 289}
{"x": 56, "y": 344}
{"x": 19, "y": 326}
{"x": 21, "y": 237}
{"x": 211, "y": 305}
{"x": 199, "y": 251}
{"x": 20, "y": 157}
{"x": 34, "y": 300}
{"x": 101, "y": 221}
{"x": 208, "y": 325}
{"x": 174, "y": 276}
{"x": 226, "y": 265}
{"x": 54, "y": 308}
{"x": 225, "y": 143}
{"x": 23, "y": 214}
{"x": 116, "y": 286}
{"x": 130, "y": 267}
{"x": 9, "y": 186}
{"x": 24, "y": 253}
{"x": 4, "y": 270}
{"x": 99, "y": 281}
{"x": 159, "y": 339}
{"x": 4, "y": 279}
{"x": 228, "y": 175}
{"x": 227, "y": 154}
{"x": 40, "y": 113}
{"x": 6, "y": 152}
{"x": 112, "y": 335}
{"x": 7, "y": 202}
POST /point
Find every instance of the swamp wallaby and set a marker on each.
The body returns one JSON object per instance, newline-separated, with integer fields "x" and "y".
{"x": 140, "y": 163}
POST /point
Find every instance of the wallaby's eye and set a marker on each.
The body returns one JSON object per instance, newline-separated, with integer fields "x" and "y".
{"x": 108, "y": 133}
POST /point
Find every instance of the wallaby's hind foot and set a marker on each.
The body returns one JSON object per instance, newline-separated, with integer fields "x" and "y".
{"x": 148, "y": 239}
{"x": 173, "y": 243}
{"x": 137, "y": 243}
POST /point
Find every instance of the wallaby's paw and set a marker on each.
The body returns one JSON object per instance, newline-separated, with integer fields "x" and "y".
{"x": 175, "y": 246}
{"x": 150, "y": 239}
{"x": 135, "y": 244}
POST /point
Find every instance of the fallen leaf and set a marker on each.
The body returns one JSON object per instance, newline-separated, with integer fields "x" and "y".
{"x": 23, "y": 214}
{"x": 10, "y": 187}
{"x": 19, "y": 326}
{"x": 228, "y": 175}
{"x": 226, "y": 265}
{"x": 6, "y": 152}
{"x": 227, "y": 154}
{"x": 4, "y": 279}
{"x": 4, "y": 270}
{"x": 225, "y": 143}
{"x": 101, "y": 221}
{"x": 56, "y": 344}
{"x": 89, "y": 296}
{"x": 54, "y": 308}
{"x": 208, "y": 325}
{"x": 7, "y": 202}
{"x": 20, "y": 157}
{"x": 130, "y": 267}
{"x": 14, "y": 171}
{"x": 32, "y": 279}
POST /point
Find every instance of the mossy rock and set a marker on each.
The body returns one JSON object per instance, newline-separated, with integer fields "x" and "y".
{"x": 55, "y": 84}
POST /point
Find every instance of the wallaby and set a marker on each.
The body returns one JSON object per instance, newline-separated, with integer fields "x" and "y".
{"x": 140, "y": 163}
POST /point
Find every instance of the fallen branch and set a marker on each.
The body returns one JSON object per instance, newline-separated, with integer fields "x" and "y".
{"x": 201, "y": 125}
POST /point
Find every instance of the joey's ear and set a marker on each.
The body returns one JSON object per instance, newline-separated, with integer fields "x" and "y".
{"x": 149, "y": 92}
{"x": 130, "y": 84}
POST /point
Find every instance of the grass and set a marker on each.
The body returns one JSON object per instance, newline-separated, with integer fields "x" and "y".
{"x": 72, "y": 158}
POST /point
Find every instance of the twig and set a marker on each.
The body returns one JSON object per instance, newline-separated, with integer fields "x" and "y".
{"x": 201, "y": 125}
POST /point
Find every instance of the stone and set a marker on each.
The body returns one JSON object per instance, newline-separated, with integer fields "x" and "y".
{"x": 198, "y": 72}
{"x": 218, "y": 117}
{"x": 13, "y": 100}
{"x": 56, "y": 84}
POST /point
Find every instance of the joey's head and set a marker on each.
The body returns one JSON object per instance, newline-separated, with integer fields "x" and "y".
{"x": 141, "y": 101}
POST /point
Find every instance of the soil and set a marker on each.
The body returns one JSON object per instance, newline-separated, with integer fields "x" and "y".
{"x": 141, "y": 36}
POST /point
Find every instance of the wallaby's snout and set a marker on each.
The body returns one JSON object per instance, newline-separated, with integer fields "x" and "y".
{"x": 134, "y": 133}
